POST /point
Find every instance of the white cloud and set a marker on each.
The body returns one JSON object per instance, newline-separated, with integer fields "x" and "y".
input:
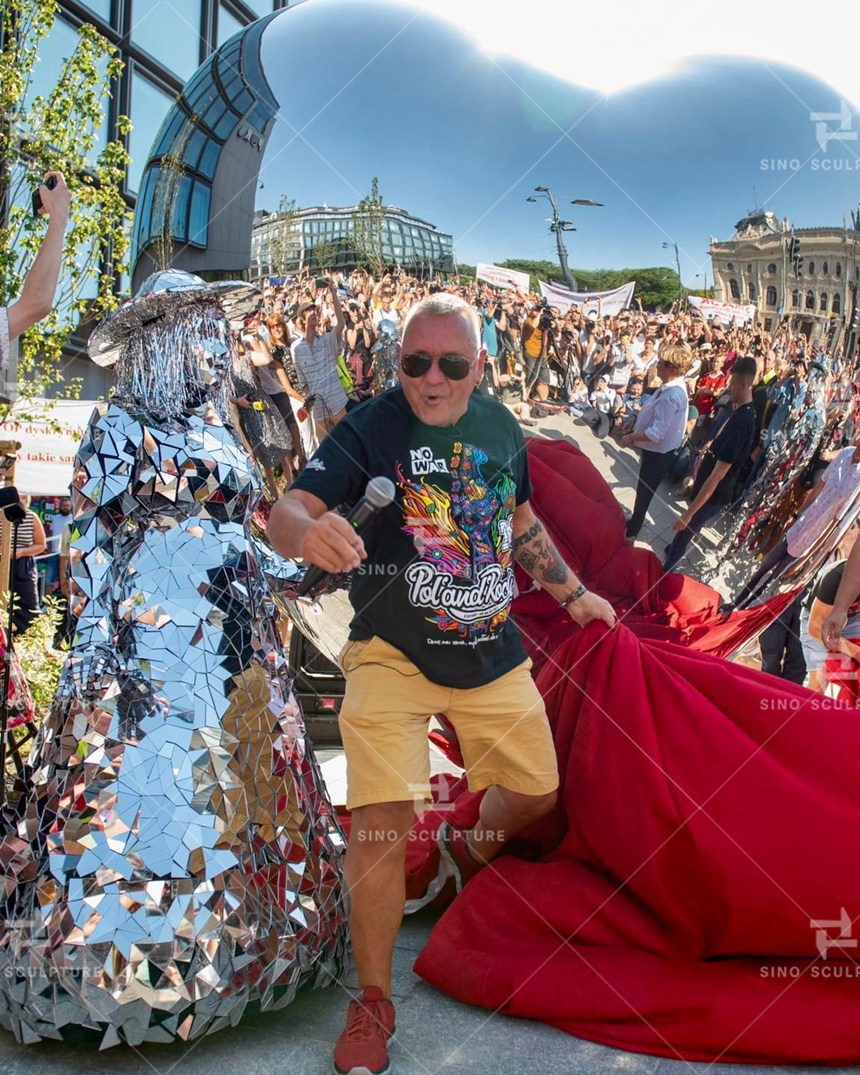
{"x": 615, "y": 44}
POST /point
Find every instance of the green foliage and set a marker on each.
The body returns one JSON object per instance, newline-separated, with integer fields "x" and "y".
{"x": 654, "y": 286}
{"x": 537, "y": 270}
{"x": 58, "y": 131}
{"x": 284, "y": 245}
{"x": 368, "y": 231}
{"x": 40, "y": 662}
{"x": 323, "y": 254}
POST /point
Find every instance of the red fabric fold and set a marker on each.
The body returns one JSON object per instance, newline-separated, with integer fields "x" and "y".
{"x": 580, "y": 511}
{"x": 842, "y": 669}
{"x": 709, "y": 813}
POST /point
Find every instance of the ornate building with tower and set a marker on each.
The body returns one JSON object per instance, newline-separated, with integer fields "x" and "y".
{"x": 808, "y": 274}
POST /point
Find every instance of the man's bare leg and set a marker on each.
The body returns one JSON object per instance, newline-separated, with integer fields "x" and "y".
{"x": 375, "y": 871}
{"x": 503, "y": 814}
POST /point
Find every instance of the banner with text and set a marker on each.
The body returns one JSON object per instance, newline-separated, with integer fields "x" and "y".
{"x": 499, "y": 277}
{"x": 725, "y": 311}
{"x": 49, "y": 444}
{"x": 607, "y": 303}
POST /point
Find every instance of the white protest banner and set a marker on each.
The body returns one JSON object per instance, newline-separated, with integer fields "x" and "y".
{"x": 499, "y": 277}
{"x": 724, "y": 311}
{"x": 49, "y": 444}
{"x": 590, "y": 302}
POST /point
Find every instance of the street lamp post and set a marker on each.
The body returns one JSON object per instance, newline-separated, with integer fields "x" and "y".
{"x": 557, "y": 226}
{"x": 670, "y": 246}
{"x": 704, "y": 276}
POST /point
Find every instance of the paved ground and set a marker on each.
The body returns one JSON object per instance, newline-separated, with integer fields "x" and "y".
{"x": 620, "y": 467}
{"x": 435, "y": 1034}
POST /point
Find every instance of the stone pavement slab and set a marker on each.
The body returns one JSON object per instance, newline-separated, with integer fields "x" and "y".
{"x": 435, "y": 1036}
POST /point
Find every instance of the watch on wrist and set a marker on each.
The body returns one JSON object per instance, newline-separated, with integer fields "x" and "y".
{"x": 574, "y": 596}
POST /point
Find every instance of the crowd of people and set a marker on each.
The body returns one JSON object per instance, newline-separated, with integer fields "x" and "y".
{"x": 699, "y": 400}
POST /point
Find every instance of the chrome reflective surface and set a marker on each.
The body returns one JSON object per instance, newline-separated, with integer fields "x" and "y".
{"x": 173, "y": 857}
{"x": 761, "y": 517}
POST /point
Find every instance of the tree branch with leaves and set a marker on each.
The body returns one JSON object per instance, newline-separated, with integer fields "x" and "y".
{"x": 368, "y": 231}
{"x": 58, "y": 131}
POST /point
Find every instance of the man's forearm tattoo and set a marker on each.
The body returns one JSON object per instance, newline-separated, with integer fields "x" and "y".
{"x": 532, "y": 531}
{"x": 536, "y": 554}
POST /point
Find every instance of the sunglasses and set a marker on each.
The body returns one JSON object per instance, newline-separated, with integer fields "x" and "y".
{"x": 454, "y": 367}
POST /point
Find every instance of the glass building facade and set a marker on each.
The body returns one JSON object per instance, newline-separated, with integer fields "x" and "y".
{"x": 322, "y": 238}
{"x": 162, "y": 45}
{"x": 197, "y": 191}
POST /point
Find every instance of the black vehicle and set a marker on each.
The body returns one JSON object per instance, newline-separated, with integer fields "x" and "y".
{"x": 319, "y": 686}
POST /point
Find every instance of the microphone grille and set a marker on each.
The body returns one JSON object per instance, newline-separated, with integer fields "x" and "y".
{"x": 379, "y": 492}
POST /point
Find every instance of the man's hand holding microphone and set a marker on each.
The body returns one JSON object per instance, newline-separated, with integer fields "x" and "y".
{"x": 331, "y": 544}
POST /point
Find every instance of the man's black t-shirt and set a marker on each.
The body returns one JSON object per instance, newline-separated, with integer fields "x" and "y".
{"x": 732, "y": 444}
{"x": 439, "y": 576}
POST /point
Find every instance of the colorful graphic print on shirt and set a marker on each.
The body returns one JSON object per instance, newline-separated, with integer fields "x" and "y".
{"x": 465, "y": 574}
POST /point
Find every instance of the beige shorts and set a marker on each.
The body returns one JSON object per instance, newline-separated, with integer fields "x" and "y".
{"x": 502, "y": 729}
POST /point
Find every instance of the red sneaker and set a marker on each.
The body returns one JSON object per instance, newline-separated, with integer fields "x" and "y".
{"x": 456, "y": 858}
{"x": 362, "y": 1049}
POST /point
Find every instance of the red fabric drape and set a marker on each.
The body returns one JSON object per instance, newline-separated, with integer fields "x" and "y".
{"x": 586, "y": 522}
{"x": 843, "y": 670}
{"x": 707, "y": 814}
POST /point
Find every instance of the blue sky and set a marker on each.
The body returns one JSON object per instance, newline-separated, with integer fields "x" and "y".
{"x": 460, "y": 138}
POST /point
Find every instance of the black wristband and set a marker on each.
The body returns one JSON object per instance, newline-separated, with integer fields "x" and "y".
{"x": 574, "y": 595}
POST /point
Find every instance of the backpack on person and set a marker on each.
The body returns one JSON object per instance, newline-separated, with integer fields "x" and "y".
{"x": 345, "y": 376}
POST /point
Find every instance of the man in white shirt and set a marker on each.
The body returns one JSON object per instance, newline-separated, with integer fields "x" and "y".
{"x": 315, "y": 358}
{"x": 386, "y": 311}
{"x": 40, "y": 284}
{"x": 659, "y": 429}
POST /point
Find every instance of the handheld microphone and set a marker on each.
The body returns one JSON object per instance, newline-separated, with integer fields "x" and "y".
{"x": 378, "y": 495}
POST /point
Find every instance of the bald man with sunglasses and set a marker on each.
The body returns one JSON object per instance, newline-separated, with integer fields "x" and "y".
{"x": 432, "y": 587}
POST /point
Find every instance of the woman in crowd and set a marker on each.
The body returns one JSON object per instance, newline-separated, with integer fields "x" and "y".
{"x": 282, "y": 351}
{"x": 272, "y": 380}
{"x": 264, "y": 430}
{"x": 659, "y": 429}
{"x": 31, "y": 542}
{"x": 820, "y": 607}
{"x": 359, "y": 337}
{"x": 712, "y": 382}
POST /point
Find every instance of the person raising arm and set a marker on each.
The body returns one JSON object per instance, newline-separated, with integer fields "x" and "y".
{"x": 40, "y": 284}
{"x": 849, "y": 590}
